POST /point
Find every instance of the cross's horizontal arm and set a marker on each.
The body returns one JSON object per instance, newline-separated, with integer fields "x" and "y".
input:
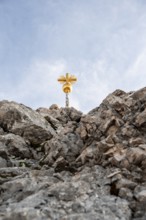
{"x": 72, "y": 79}
{"x": 62, "y": 79}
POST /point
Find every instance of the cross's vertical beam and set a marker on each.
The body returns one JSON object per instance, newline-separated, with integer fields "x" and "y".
{"x": 67, "y": 100}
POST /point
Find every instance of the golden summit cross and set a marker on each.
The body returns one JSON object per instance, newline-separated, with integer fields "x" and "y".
{"x": 67, "y": 82}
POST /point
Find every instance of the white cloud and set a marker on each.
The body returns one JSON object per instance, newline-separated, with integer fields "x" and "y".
{"x": 38, "y": 85}
{"x": 136, "y": 74}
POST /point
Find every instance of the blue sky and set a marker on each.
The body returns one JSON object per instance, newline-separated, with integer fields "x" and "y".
{"x": 102, "y": 42}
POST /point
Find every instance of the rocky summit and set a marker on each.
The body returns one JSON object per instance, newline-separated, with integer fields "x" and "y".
{"x": 61, "y": 164}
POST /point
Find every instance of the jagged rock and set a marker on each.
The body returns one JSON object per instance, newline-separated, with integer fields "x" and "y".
{"x": 77, "y": 196}
{"x": 66, "y": 146}
{"x": 3, "y": 162}
{"x": 57, "y": 163}
{"x": 23, "y": 121}
{"x": 15, "y": 145}
{"x": 141, "y": 119}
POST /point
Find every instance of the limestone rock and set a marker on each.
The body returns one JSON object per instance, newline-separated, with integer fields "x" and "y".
{"x": 58, "y": 163}
{"x": 23, "y": 121}
{"x": 15, "y": 145}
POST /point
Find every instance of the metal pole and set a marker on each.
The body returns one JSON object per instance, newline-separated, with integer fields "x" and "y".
{"x": 67, "y": 100}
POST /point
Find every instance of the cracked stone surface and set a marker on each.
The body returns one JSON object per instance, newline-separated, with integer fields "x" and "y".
{"x": 58, "y": 163}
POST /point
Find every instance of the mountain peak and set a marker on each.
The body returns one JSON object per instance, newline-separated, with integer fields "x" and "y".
{"x": 58, "y": 163}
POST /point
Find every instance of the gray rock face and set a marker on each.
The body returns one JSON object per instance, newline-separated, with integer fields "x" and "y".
{"x": 58, "y": 163}
{"x": 23, "y": 121}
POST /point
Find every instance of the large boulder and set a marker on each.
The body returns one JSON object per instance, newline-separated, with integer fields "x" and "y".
{"x": 23, "y": 121}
